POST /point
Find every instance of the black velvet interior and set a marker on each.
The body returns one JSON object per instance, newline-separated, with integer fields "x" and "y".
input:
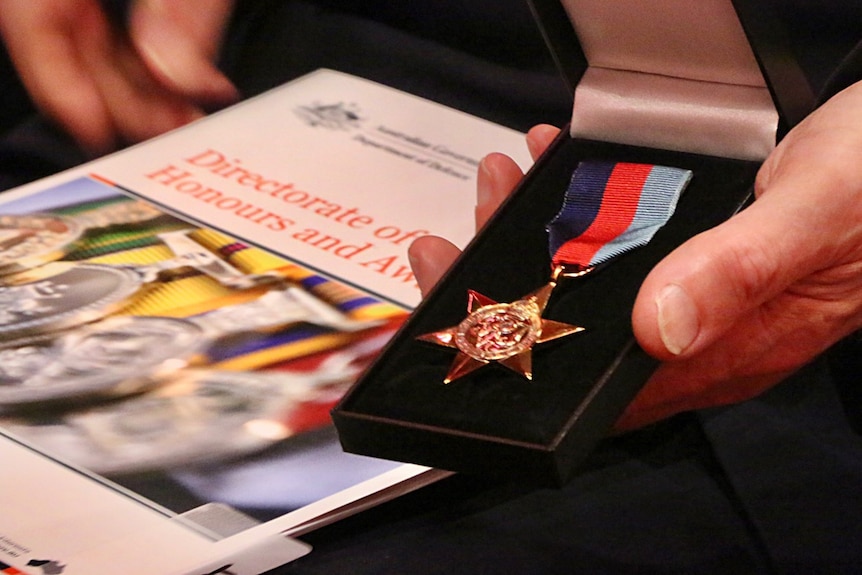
{"x": 405, "y": 411}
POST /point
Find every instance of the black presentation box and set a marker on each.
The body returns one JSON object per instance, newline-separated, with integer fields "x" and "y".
{"x": 704, "y": 85}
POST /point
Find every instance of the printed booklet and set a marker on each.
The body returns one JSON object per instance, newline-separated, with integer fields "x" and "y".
{"x": 178, "y": 318}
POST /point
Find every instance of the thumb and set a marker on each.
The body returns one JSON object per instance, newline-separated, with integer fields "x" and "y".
{"x": 178, "y": 41}
{"x": 698, "y": 292}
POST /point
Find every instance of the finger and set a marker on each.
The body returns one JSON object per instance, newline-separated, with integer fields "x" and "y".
{"x": 731, "y": 370}
{"x": 761, "y": 349}
{"x": 701, "y": 289}
{"x": 138, "y": 106}
{"x": 539, "y": 138}
{"x": 430, "y": 257}
{"x": 666, "y": 394}
{"x": 179, "y": 41}
{"x": 46, "y": 58}
{"x": 498, "y": 175}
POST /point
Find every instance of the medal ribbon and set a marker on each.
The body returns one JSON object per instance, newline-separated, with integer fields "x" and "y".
{"x": 610, "y": 208}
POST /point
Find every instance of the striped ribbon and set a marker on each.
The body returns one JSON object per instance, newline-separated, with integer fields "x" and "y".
{"x": 249, "y": 259}
{"x": 611, "y": 208}
{"x": 119, "y": 237}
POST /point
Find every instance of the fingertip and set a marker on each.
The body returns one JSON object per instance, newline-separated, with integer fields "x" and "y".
{"x": 485, "y": 181}
{"x": 539, "y": 137}
{"x": 494, "y": 162}
{"x": 97, "y": 146}
{"x": 498, "y": 173}
{"x": 669, "y": 318}
{"x": 429, "y": 258}
{"x": 497, "y": 177}
{"x": 173, "y": 56}
{"x": 676, "y": 318}
{"x": 83, "y": 115}
{"x": 160, "y": 116}
{"x": 671, "y": 315}
{"x": 705, "y": 286}
{"x": 645, "y": 321}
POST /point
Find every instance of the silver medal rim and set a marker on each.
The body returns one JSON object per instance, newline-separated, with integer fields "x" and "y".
{"x": 186, "y": 339}
{"x": 213, "y": 438}
{"x": 129, "y": 283}
{"x": 43, "y": 255}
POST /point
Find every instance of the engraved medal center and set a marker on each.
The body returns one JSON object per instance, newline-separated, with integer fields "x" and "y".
{"x": 499, "y": 331}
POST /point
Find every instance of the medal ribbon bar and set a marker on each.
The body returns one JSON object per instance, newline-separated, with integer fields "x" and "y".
{"x": 610, "y": 208}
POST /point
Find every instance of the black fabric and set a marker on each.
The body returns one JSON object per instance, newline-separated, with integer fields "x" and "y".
{"x": 768, "y": 486}
{"x": 795, "y": 463}
{"x": 14, "y": 103}
{"x": 33, "y": 149}
{"x": 845, "y": 362}
{"x": 507, "y": 93}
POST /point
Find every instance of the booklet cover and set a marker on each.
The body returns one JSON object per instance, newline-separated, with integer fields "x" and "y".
{"x": 178, "y": 318}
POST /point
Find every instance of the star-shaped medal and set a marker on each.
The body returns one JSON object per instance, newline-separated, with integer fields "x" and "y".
{"x": 501, "y": 332}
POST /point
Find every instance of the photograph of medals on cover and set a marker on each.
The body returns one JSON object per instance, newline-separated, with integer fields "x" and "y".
{"x": 136, "y": 344}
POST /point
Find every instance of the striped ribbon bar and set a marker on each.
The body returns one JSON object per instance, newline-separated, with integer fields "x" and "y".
{"x": 610, "y": 208}
{"x": 350, "y": 301}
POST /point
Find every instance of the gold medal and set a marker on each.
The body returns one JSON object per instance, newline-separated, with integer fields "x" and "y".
{"x": 501, "y": 332}
{"x": 608, "y": 209}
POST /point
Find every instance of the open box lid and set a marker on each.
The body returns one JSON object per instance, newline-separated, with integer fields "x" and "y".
{"x": 677, "y": 74}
